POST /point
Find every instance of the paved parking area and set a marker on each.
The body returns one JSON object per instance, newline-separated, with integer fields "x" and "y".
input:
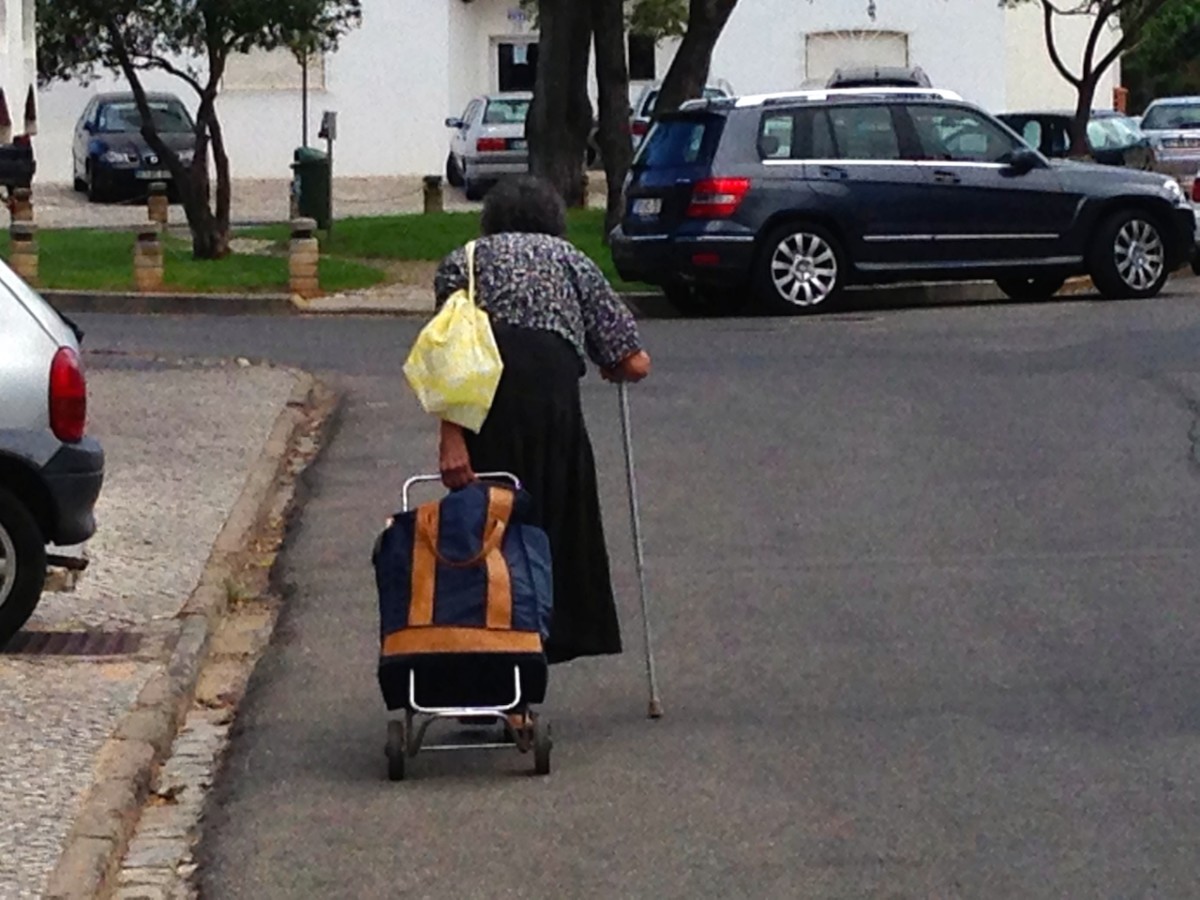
{"x": 257, "y": 201}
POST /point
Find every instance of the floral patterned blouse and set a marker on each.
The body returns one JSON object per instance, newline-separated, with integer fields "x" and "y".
{"x": 543, "y": 282}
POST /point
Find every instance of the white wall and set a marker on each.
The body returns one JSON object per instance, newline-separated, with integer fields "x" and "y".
{"x": 1033, "y": 81}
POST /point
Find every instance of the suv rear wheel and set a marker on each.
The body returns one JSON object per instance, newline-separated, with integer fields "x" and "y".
{"x": 22, "y": 565}
{"x": 1129, "y": 256}
{"x": 800, "y": 270}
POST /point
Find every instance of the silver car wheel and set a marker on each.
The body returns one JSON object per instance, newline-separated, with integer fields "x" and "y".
{"x": 1139, "y": 254}
{"x": 804, "y": 269}
{"x": 8, "y": 565}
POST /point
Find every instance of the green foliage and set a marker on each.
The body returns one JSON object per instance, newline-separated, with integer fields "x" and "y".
{"x": 78, "y": 38}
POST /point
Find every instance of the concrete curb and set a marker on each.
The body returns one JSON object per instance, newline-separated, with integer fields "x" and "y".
{"x": 130, "y": 303}
{"x": 127, "y": 763}
{"x": 645, "y": 305}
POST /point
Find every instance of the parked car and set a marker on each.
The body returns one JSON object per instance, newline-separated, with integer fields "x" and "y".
{"x": 1113, "y": 139}
{"x": 643, "y": 108}
{"x": 1173, "y": 126}
{"x": 50, "y": 470}
{"x": 110, "y": 158}
{"x": 488, "y": 142}
{"x": 791, "y": 197}
{"x": 878, "y": 76}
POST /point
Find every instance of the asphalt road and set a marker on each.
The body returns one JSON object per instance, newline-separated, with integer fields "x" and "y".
{"x": 925, "y": 591}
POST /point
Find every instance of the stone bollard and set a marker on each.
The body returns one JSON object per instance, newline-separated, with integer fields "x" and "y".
{"x": 24, "y": 251}
{"x": 148, "y": 258}
{"x": 435, "y": 199}
{"x": 304, "y": 257}
{"x": 21, "y": 205}
{"x": 157, "y": 207}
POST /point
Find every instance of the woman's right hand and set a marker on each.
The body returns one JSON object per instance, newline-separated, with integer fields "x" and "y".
{"x": 632, "y": 368}
{"x": 454, "y": 460}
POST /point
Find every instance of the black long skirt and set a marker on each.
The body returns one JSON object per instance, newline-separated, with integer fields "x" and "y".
{"x": 535, "y": 430}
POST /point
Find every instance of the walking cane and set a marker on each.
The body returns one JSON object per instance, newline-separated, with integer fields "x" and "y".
{"x": 655, "y": 709}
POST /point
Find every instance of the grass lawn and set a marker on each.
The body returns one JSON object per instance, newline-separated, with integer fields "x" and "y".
{"x": 425, "y": 238}
{"x": 83, "y": 259}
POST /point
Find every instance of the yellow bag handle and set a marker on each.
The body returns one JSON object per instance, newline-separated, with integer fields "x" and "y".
{"x": 470, "y": 251}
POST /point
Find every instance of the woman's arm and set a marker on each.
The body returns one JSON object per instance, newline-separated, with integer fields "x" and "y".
{"x": 454, "y": 460}
{"x": 613, "y": 342}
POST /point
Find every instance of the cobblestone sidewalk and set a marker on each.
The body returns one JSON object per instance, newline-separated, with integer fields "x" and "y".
{"x": 179, "y": 443}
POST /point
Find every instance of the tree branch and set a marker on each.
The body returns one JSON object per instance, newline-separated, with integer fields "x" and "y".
{"x": 158, "y": 62}
{"x": 1049, "y": 12}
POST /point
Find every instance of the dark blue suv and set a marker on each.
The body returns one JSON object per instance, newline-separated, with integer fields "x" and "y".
{"x": 789, "y": 198}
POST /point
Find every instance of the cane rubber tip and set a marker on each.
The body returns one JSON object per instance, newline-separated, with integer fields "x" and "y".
{"x": 656, "y": 710}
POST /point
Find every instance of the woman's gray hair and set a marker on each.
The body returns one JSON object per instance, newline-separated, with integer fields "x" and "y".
{"x": 524, "y": 204}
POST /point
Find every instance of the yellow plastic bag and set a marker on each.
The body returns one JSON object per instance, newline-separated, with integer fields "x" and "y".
{"x": 454, "y": 366}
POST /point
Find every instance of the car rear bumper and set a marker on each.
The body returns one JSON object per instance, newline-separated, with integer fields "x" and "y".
{"x": 74, "y": 476}
{"x": 714, "y": 259}
{"x": 481, "y": 169}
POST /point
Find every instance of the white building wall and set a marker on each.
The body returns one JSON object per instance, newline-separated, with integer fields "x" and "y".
{"x": 414, "y": 62}
{"x": 1033, "y": 82}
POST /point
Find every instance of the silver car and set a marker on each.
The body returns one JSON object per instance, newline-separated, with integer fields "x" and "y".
{"x": 489, "y": 142}
{"x": 50, "y": 471}
{"x": 1173, "y": 126}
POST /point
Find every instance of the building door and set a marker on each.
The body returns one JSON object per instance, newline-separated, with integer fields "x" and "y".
{"x": 517, "y": 65}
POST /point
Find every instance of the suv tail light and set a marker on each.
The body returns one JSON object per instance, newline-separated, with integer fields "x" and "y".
{"x": 68, "y": 396}
{"x": 1196, "y": 189}
{"x": 491, "y": 145}
{"x": 639, "y": 128}
{"x": 717, "y": 198}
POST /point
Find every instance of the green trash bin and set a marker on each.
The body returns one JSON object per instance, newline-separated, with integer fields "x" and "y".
{"x": 313, "y": 183}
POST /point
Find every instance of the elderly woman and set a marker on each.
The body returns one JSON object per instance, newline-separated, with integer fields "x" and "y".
{"x": 551, "y": 310}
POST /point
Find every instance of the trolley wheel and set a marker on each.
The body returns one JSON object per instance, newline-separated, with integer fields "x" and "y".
{"x": 542, "y": 744}
{"x": 397, "y": 750}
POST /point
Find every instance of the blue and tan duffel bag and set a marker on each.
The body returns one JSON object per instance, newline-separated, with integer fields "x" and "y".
{"x": 465, "y": 594}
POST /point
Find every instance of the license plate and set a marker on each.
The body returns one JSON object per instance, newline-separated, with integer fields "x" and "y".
{"x": 154, "y": 174}
{"x": 518, "y": 145}
{"x": 647, "y": 206}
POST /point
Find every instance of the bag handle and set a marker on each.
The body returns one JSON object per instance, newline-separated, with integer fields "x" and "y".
{"x": 499, "y": 512}
{"x": 470, "y": 252}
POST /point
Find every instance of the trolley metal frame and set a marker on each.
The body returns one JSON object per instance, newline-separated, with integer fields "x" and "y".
{"x": 406, "y": 736}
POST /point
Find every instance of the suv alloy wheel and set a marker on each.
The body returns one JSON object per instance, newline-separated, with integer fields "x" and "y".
{"x": 22, "y": 565}
{"x": 1129, "y": 257}
{"x": 800, "y": 269}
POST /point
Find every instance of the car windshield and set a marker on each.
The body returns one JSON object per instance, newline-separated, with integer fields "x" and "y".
{"x": 1166, "y": 116}
{"x": 168, "y": 116}
{"x": 1111, "y": 133}
{"x": 506, "y": 112}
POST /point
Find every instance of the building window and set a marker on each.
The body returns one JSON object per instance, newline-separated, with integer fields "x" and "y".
{"x": 828, "y": 51}
{"x": 642, "y": 58}
{"x": 272, "y": 70}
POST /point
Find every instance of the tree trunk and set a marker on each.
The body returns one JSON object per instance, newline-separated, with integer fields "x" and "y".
{"x": 688, "y": 74}
{"x": 210, "y": 240}
{"x": 1083, "y": 112}
{"x": 612, "y": 84}
{"x": 560, "y": 116}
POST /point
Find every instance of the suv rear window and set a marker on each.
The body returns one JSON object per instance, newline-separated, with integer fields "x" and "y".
{"x": 679, "y": 141}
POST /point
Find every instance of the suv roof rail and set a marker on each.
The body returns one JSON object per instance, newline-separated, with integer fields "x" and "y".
{"x": 821, "y": 96}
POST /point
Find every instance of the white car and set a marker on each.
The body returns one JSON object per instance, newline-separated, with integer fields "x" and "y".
{"x": 488, "y": 142}
{"x": 50, "y": 470}
{"x": 643, "y": 107}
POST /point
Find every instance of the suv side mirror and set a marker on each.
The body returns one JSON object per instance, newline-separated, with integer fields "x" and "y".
{"x": 1023, "y": 161}
{"x": 452, "y": 122}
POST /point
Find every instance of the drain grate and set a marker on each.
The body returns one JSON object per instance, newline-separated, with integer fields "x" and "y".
{"x": 74, "y": 643}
